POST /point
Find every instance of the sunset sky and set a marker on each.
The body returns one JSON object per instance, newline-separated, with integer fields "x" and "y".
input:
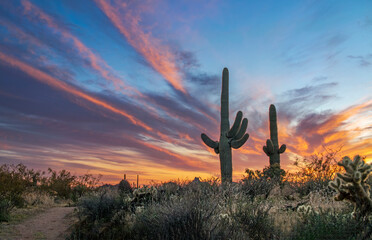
{"x": 116, "y": 87}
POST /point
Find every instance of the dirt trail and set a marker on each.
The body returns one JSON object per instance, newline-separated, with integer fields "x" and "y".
{"x": 51, "y": 224}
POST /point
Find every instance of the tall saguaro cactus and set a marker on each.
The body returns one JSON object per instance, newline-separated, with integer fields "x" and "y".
{"x": 272, "y": 149}
{"x": 233, "y": 137}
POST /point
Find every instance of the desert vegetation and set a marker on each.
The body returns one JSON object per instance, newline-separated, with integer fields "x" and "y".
{"x": 267, "y": 204}
{"x": 21, "y": 187}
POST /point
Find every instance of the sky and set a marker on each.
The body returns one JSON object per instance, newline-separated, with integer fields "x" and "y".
{"x": 127, "y": 87}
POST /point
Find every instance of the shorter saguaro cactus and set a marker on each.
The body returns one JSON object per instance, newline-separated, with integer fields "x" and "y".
{"x": 352, "y": 185}
{"x": 272, "y": 149}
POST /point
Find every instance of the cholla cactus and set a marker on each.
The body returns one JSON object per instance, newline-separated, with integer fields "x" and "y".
{"x": 145, "y": 190}
{"x": 229, "y": 138}
{"x": 145, "y": 194}
{"x": 352, "y": 185}
{"x": 305, "y": 209}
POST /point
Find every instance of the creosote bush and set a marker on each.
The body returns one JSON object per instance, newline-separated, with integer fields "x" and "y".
{"x": 262, "y": 182}
{"x": 315, "y": 172}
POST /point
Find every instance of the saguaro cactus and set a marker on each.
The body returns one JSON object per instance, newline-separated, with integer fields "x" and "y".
{"x": 272, "y": 149}
{"x": 352, "y": 185}
{"x": 229, "y": 138}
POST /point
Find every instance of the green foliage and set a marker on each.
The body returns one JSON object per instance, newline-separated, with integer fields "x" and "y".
{"x": 330, "y": 225}
{"x": 14, "y": 181}
{"x": 315, "y": 172}
{"x": 125, "y": 187}
{"x": 196, "y": 210}
{"x": 101, "y": 216}
{"x": 17, "y": 181}
{"x": 262, "y": 182}
{"x": 60, "y": 183}
{"x": 5, "y": 207}
{"x": 254, "y": 220}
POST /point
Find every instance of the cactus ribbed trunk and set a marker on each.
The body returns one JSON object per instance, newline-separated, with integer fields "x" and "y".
{"x": 225, "y": 149}
{"x": 274, "y": 158}
{"x": 229, "y": 138}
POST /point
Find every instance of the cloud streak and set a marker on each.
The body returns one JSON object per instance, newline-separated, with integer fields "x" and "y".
{"x": 55, "y": 83}
{"x": 157, "y": 55}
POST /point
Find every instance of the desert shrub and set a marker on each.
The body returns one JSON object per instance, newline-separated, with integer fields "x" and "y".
{"x": 100, "y": 206}
{"x": 330, "y": 225}
{"x": 254, "y": 221}
{"x": 5, "y": 207}
{"x": 168, "y": 190}
{"x": 205, "y": 210}
{"x": 315, "y": 172}
{"x": 125, "y": 187}
{"x": 102, "y": 216}
{"x": 60, "y": 183}
{"x": 21, "y": 186}
{"x": 191, "y": 212}
{"x": 258, "y": 182}
{"x": 183, "y": 219}
{"x": 14, "y": 181}
{"x": 83, "y": 185}
{"x": 32, "y": 198}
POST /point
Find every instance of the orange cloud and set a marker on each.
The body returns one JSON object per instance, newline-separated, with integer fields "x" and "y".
{"x": 188, "y": 160}
{"x": 53, "y": 82}
{"x": 159, "y": 56}
{"x": 98, "y": 64}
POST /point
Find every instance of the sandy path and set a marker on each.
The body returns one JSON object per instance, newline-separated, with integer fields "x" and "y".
{"x": 51, "y": 224}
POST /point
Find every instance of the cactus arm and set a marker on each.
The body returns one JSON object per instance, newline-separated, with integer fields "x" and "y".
{"x": 282, "y": 148}
{"x": 238, "y": 143}
{"x": 243, "y": 128}
{"x": 333, "y": 185}
{"x": 208, "y": 141}
{"x": 356, "y": 162}
{"x": 225, "y": 125}
{"x": 235, "y": 128}
{"x": 266, "y": 150}
{"x": 345, "y": 177}
{"x": 365, "y": 168}
{"x": 270, "y": 146}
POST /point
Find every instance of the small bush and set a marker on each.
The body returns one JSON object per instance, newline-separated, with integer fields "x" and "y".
{"x": 180, "y": 219}
{"x": 5, "y": 207}
{"x": 102, "y": 216}
{"x": 125, "y": 187}
{"x": 254, "y": 220}
{"x": 14, "y": 181}
{"x": 315, "y": 172}
{"x": 330, "y": 225}
{"x": 257, "y": 183}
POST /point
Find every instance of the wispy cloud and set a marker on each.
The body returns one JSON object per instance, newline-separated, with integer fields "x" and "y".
{"x": 96, "y": 62}
{"x": 363, "y": 60}
{"x": 159, "y": 56}
{"x": 53, "y": 82}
